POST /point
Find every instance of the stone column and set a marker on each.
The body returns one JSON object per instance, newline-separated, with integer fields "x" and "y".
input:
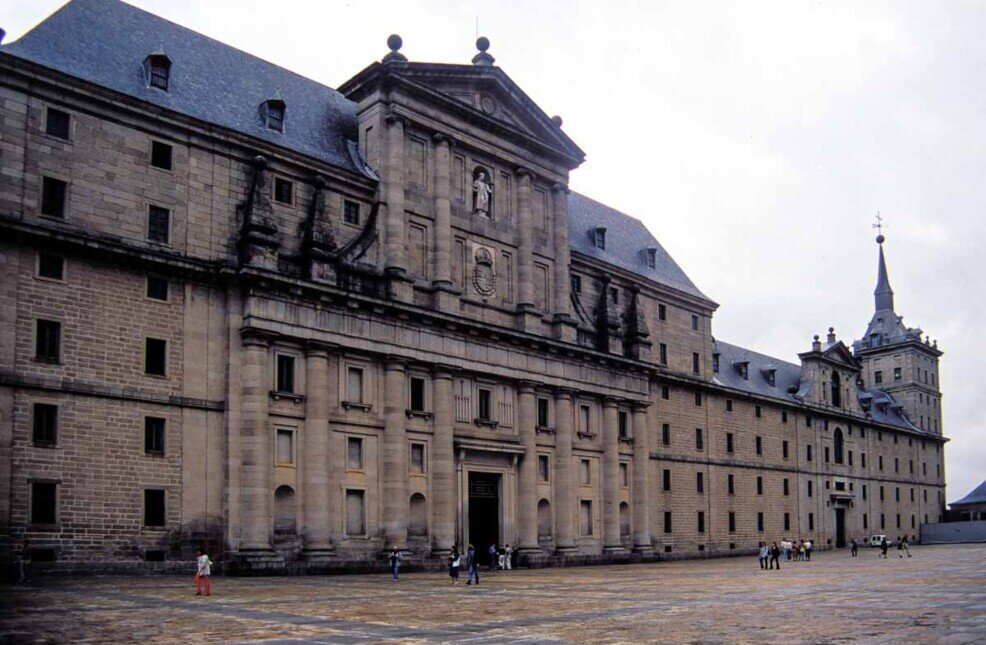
{"x": 564, "y": 470}
{"x": 527, "y": 480}
{"x": 611, "y": 478}
{"x": 565, "y": 328}
{"x": 442, "y": 465}
{"x": 641, "y": 488}
{"x": 442, "y": 258}
{"x": 395, "y": 470}
{"x": 317, "y": 534}
{"x": 525, "y": 244}
{"x": 395, "y": 244}
{"x": 256, "y": 441}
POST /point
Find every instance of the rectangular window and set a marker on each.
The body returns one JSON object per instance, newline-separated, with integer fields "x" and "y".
{"x": 543, "y": 420}
{"x": 667, "y": 521}
{"x": 662, "y": 312}
{"x": 285, "y": 374}
{"x": 729, "y": 442}
{"x": 45, "y": 424}
{"x": 849, "y": 454}
{"x": 866, "y": 521}
{"x": 826, "y": 452}
{"x": 810, "y": 488}
{"x": 694, "y": 323}
{"x": 665, "y": 392}
{"x": 284, "y": 447}
{"x": 614, "y": 295}
{"x": 154, "y": 435}
{"x": 161, "y": 155}
{"x": 758, "y": 442}
{"x": 51, "y": 266}
{"x": 698, "y": 439}
{"x": 543, "y": 470}
{"x": 154, "y": 507}
{"x": 760, "y": 522}
{"x": 485, "y": 404}
{"x": 864, "y": 492}
{"x": 155, "y": 352}
{"x": 624, "y": 475}
{"x": 757, "y": 411}
{"x": 53, "y": 194}
{"x": 354, "y": 385}
{"x": 354, "y": 453}
{"x": 667, "y": 479}
{"x": 623, "y": 430}
{"x": 787, "y": 487}
{"x": 898, "y": 374}
{"x": 696, "y": 363}
{"x": 355, "y": 512}
{"x": 699, "y": 482}
{"x": 784, "y": 449}
{"x": 811, "y": 521}
{"x": 666, "y": 434}
{"x": 585, "y": 517}
{"x": 417, "y": 394}
{"x": 879, "y": 462}
{"x": 577, "y": 284}
{"x": 759, "y": 485}
{"x": 878, "y": 377}
{"x": 896, "y": 465}
{"x": 787, "y": 521}
{"x": 896, "y": 493}
{"x": 584, "y": 418}
{"x": 418, "y": 459}
{"x": 881, "y": 493}
{"x": 44, "y": 503}
{"x": 158, "y": 224}
{"x": 283, "y": 191}
{"x": 808, "y": 452}
{"x": 48, "y": 341}
{"x": 351, "y": 213}
{"x": 57, "y": 123}
{"x": 715, "y": 363}
{"x": 732, "y": 522}
{"x": 157, "y": 288}
{"x": 698, "y": 398}
{"x": 729, "y": 405}
{"x": 663, "y": 348}
{"x": 807, "y": 420}
{"x": 883, "y": 521}
{"x": 731, "y": 484}
{"x": 700, "y": 527}
{"x": 898, "y": 520}
{"x": 585, "y": 472}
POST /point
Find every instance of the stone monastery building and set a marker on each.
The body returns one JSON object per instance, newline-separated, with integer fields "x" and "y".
{"x": 302, "y": 324}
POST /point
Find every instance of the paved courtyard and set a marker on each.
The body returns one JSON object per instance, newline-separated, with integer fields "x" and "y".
{"x": 939, "y": 595}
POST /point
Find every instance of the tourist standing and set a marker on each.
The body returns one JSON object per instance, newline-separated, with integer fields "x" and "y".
{"x": 501, "y": 556}
{"x": 472, "y": 566}
{"x": 492, "y": 552}
{"x": 454, "y": 561}
{"x": 808, "y": 547}
{"x": 900, "y": 547}
{"x": 203, "y": 573}
{"x": 884, "y": 546}
{"x": 775, "y": 556}
{"x": 764, "y": 554}
{"x": 906, "y": 545}
{"x": 395, "y": 559}
{"x": 855, "y": 547}
{"x": 508, "y": 555}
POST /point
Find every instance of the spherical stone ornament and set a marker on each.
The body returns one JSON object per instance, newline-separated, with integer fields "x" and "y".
{"x": 395, "y": 42}
{"x": 482, "y": 43}
{"x": 879, "y": 239}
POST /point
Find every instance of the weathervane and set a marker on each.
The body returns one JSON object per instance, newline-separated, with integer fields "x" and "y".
{"x": 879, "y": 228}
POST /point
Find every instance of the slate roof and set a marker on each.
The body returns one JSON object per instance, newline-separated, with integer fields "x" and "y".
{"x": 977, "y": 496}
{"x": 627, "y": 240}
{"x": 106, "y": 41}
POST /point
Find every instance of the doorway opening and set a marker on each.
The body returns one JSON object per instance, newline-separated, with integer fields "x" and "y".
{"x": 840, "y": 528}
{"x": 484, "y": 510}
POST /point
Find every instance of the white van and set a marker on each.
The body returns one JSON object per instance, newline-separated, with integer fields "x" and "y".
{"x": 877, "y": 540}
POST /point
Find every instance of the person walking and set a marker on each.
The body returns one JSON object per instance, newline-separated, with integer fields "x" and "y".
{"x": 906, "y": 546}
{"x": 492, "y": 552}
{"x": 900, "y": 546}
{"x": 501, "y": 556}
{"x": 808, "y": 547}
{"x": 395, "y": 559}
{"x": 775, "y": 556}
{"x": 203, "y": 573}
{"x": 764, "y": 554}
{"x": 508, "y": 555}
{"x": 472, "y": 566}
{"x": 454, "y": 561}
{"x": 884, "y": 546}
{"x": 855, "y": 547}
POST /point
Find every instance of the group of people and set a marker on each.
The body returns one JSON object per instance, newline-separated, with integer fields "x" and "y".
{"x": 770, "y": 556}
{"x": 903, "y": 546}
{"x": 502, "y": 557}
{"x": 396, "y": 558}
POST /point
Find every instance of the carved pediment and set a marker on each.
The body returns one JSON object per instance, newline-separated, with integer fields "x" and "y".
{"x": 839, "y": 353}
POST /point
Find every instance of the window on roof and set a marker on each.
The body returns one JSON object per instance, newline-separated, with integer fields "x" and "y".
{"x": 599, "y": 238}
{"x": 158, "y": 70}
{"x": 275, "y": 115}
{"x": 652, "y": 258}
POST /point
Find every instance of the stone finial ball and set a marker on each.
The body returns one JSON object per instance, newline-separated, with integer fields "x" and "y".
{"x": 879, "y": 239}
{"x": 831, "y": 330}
{"x": 816, "y": 338}
{"x": 395, "y": 42}
{"x": 482, "y": 43}
{"x": 556, "y": 120}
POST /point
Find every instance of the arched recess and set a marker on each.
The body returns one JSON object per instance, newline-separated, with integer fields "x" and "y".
{"x": 624, "y": 519}
{"x": 417, "y": 517}
{"x": 837, "y": 445}
{"x": 285, "y": 510}
{"x": 544, "y": 520}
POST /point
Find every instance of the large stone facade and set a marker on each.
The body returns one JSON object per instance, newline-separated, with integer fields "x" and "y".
{"x": 359, "y": 351}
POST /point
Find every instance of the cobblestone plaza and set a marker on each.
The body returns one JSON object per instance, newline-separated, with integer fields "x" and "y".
{"x": 939, "y": 596}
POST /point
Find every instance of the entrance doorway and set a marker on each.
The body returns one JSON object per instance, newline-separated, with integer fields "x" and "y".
{"x": 484, "y": 510}
{"x": 840, "y": 528}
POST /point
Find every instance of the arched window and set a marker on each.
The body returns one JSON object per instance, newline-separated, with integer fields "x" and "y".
{"x": 836, "y": 390}
{"x": 417, "y": 518}
{"x": 544, "y": 520}
{"x": 624, "y": 519}
{"x": 838, "y": 447}
{"x": 284, "y": 510}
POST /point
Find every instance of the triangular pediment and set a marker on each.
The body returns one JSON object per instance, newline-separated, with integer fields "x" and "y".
{"x": 839, "y": 353}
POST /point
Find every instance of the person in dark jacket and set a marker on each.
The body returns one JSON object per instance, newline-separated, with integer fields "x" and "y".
{"x": 454, "y": 562}
{"x": 395, "y": 559}
{"x": 855, "y": 547}
{"x": 884, "y": 545}
{"x": 775, "y": 556}
{"x": 472, "y": 565}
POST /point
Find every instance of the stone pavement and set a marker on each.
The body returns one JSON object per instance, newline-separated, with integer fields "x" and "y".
{"x": 938, "y": 596}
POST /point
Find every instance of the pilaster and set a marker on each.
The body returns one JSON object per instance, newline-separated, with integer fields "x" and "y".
{"x": 640, "y": 500}
{"x": 564, "y": 469}
{"x": 611, "y": 481}
{"x": 395, "y": 471}
{"x": 527, "y": 483}
{"x": 525, "y": 242}
{"x": 315, "y": 476}
{"x": 256, "y": 444}
{"x": 395, "y": 249}
{"x": 563, "y": 324}
{"x": 443, "y": 464}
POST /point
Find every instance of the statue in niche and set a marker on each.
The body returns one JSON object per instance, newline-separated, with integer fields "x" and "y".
{"x": 482, "y": 194}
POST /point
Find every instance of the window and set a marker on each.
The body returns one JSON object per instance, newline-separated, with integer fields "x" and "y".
{"x": 883, "y": 521}
{"x": 729, "y": 442}
{"x": 786, "y": 487}
{"x": 161, "y": 155}
{"x": 577, "y": 284}
{"x": 154, "y": 435}
{"x": 759, "y": 485}
{"x": 663, "y": 350}
{"x": 417, "y": 394}
{"x": 866, "y": 521}
{"x": 787, "y": 521}
{"x": 285, "y": 374}
{"x": 879, "y": 463}
{"x": 157, "y": 288}
{"x": 651, "y": 258}
{"x": 896, "y": 493}
{"x": 729, "y": 405}
{"x": 48, "y": 341}
{"x": 910, "y": 466}
{"x": 808, "y": 452}
{"x": 826, "y": 451}
{"x": 355, "y": 523}
{"x": 57, "y": 123}
{"x": 485, "y": 404}
{"x": 543, "y": 468}
{"x": 418, "y": 459}
{"x": 624, "y": 432}
{"x": 732, "y": 522}
{"x": 758, "y": 442}
{"x": 624, "y": 475}
{"x": 666, "y": 434}
{"x": 665, "y": 392}
{"x": 896, "y": 465}
{"x": 783, "y": 416}
{"x": 667, "y": 480}
{"x": 698, "y": 439}
{"x": 350, "y": 212}
{"x": 898, "y": 520}
{"x": 153, "y": 507}
{"x": 715, "y": 363}
{"x": 354, "y": 453}
{"x": 898, "y": 374}
{"x": 44, "y": 503}
{"x": 585, "y": 472}
{"x": 699, "y": 482}
{"x": 283, "y": 191}
{"x": 811, "y": 521}
{"x": 584, "y": 419}
{"x": 730, "y": 484}
{"x": 696, "y": 363}
{"x": 275, "y": 115}
{"x": 810, "y": 488}
{"x": 807, "y": 420}
{"x": 662, "y": 312}
{"x": 878, "y": 377}
{"x": 614, "y": 295}
{"x": 838, "y": 448}
{"x": 45, "y": 425}
{"x": 599, "y": 238}
{"x": 760, "y": 522}
{"x": 667, "y": 521}
{"x": 757, "y": 411}
{"x": 53, "y": 194}
{"x": 698, "y": 398}
{"x": 155, "y": 351}
{"x": 543, "y": 420}
{"x": 700, "y": 526}
{"x": 912, "y": 495}
{"x": 585, "y": 517}
{"x": 881, "y": 493}
{"x": 158, "y": 224}
{"x": 849, "y": 455}
{"x": 285, "y": 447}
{"x": 694, "y": 323}
{"x": 354, "y": 385}
{"x": 864, "y": 492}
{"x": 51, "y": 266}
{"x": 158, "y": 69}
{"x": 784, "y": 449}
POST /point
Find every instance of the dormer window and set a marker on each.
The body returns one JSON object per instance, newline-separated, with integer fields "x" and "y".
{"x": 715, "y": 362}
{"x": 273, "y": 111}
{"x": 651, "y": 257}
{"x": 771, "y": 376}
{"x": 744, "y": 370}
{"x": 599, "y": 237}
{"x": 157, "y": 69}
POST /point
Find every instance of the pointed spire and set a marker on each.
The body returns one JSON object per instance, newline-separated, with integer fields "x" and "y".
{"x": 883, "y": 295}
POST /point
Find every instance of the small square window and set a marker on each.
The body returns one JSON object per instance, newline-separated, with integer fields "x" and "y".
{"x": 354, "y": 453}
{"x": 285, "y": 374}
{"x": 350, "y": 213}
{"x": 45, "y": 424}
{"x": 53, "y": 194}
{"x": 155, "y": 356}
{"x": 154, "y": 514}
{"x": 283, "y": 191}
{"x": 418, "y": 458}
{"x": 51, "y": 266}
{"x": 154, "y": 435}
{"x": 158, "y": 224}
{"x": 543, "y": 470}
{"x": 417, "y": 394}
{"x": 161, "y": 155}
{"x": 58, "y": 123}
{"x": 48, "y": 341}
{"x": 157, "y": 288}
{"x": 44, "y": 503}
{"x": 284, "y": 447}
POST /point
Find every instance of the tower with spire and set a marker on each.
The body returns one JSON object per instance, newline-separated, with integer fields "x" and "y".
{"x": 898, "y": 359}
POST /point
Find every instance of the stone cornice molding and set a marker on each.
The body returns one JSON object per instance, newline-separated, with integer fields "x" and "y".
{"x": 252, "y": 337}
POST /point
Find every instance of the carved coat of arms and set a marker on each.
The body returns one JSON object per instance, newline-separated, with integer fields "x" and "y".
{"x": 483, "y": 272}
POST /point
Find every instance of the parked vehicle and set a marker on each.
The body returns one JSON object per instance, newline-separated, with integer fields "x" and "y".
{"x": 876, "y": 540}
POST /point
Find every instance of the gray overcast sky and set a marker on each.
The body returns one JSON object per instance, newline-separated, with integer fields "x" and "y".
{"x": 756, "y": 140}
